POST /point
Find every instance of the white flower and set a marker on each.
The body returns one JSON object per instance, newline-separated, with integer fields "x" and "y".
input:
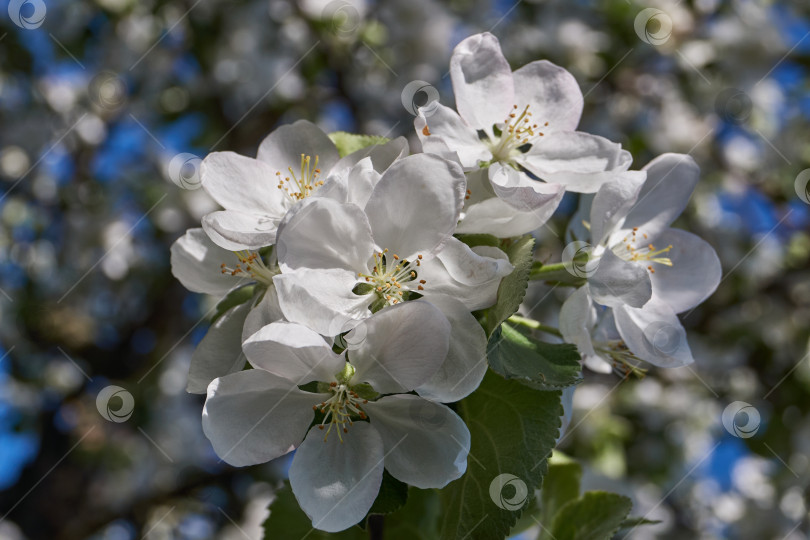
{"x": 294, "y": 162}
{"x": 203, "y": 267}
{"x": 257, "y": 415}
{"x": 644, "y": 270}
{"x": 508, "y": 123}
{"x": 341, "y": 262}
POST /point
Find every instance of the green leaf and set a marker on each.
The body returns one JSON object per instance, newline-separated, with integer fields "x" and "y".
{"x": 536, "y": 363}
{"x": 233, "y": 299}
{"x": 475, "y": 240}
{"x": 349, "y": 142}
{"x": 633, "y": 522}
{"x": 392, "y": 496}
{"x": 513, "y": 429}
{"x": 560, "y": 486}
{"x": 597, "y": 515}
{"x": 417, "y": 520}
{"x": 288, "y": 522}
{"x": 513, "y": 287}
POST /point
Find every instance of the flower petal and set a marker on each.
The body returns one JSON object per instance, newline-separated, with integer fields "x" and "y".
{"x": 695, "y": 272}
{"x": 654, "y": 334}
{"x": 253, "y": 416}
{"x": 235, "y": 231}
{"x": 463, "y": 273}
{"x": 523, "y": 193}
{"x": 282, "y": 149}
{"x": 577, "y": 317}
{"x": 400, "y": 347}
{"x": 482, "y": 81}
{"x": 497, "y": 217}
{"x": 449, "y": 135}
{"x": 426, "y": 444}
{"x": 322, "y": 233}
{"x": 552, "y": 94}
{"x": 243, "y": 184}
{"x": 220, "y": 351}
{"x": 618, "y": 282}
{"x": 382, "y": 155}
{"x": 580, "y": 161}
{"x": 336, "y": 482}
{"x": 264, "y": 312}
{"x": 196, "y": 264}
{"x": 416, "y": 204}
{"x": 610, "y": 206}
{"x": 671, "y": 179}
{"x": 466, "y": 361}
{"x": 294, "y": 352}
{"x": 321, "y": 299}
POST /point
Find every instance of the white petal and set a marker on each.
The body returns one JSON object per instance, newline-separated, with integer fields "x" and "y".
{"x": 597, "y": 364}
{"x": 611, "y": 205}
{"x": 322, "y": 233}
{"x": 458, "y": 271}
{"x": 219, "y": 353}
{"x": 415, "y": 206}
{"x": 321, "y": 299}
{"x": 497, "y": 217}
{"x": 694, "y": 274}
{"x": 400, "y": 347}
{"x": 580, "y": 161}
{"x": 264, "y": 312}
{"x": 282, "y": 149}
{"x": 356, "y": 183}
{"x": 618, "y": 282}
{"x": 482, "y": 81}
{"x": 448, "y": 133}
{"x": 236, "y": 231}
{"x": 671, "y": 178}
{"x": 466, "y": 361}
{"x": 654, "y": 333}
{"x": 243, "y": 184}
{"x": 523, "y": 193}
{"x": 552, "y": 94}
{"x": 196, "y": 264}
{"x": 381, "y": 155}
{"x": 426, "y": 444}
{"x": 294, "y": 352}
{"x": 336, "y": 483}
{"x": 577, "y": 317}
{"x": 252, "y": 416}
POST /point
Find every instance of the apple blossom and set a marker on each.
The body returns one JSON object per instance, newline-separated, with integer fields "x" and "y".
{"x": 642, "y": 269}
{"x": 366, "y": 420}
{"x": 294, "y": 162}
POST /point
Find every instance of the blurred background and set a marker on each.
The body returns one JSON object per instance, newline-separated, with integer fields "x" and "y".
{"x": 106, "y": 107}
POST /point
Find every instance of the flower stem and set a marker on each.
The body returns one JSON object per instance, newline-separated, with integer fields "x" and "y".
{"x": 555, "y": 273}
{"x": 534, "y": 325}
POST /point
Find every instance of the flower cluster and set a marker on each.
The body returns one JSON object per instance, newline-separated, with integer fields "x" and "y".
{"x": 353, "y": 296}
